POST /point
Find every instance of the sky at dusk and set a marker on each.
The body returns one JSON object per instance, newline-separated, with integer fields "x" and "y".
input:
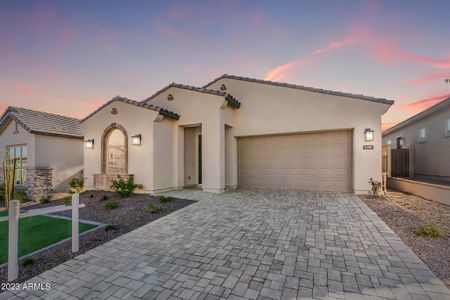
{"x": 69, "y": 57}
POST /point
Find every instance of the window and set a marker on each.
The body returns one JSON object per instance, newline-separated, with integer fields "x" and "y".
{"x": 447, "y": 126}
{"x": 389, "y": 142}
{"x": 422, "y": 134}
{"x": 19, "y": 153}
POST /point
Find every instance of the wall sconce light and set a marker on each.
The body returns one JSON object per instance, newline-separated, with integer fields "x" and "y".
{"x": 369, "y": 135}
{"x": 89, "y": 144}
{"x": 136, "y": 139}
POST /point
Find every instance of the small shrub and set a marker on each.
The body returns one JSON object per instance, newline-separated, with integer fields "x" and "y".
{"x": 429, "y": 230}
{"x": 76, "y": 185}
{"x": 20, "y": 195}
{"x": 154, "y": 209}
{"x": 111, "y": 227}
{"x": 375, "y": 188}
{"x": 124, "y": 188}
{"x": 111, "y": 204}
{"x": 28, "y": 261}
{"x": 165, "y": 199}
{"x": 67, "y": 201}
{"x": 45, "y": 199}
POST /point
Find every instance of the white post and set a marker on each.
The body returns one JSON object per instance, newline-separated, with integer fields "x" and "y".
{"x": 13, "y": 240}
{"x": 75, "y": 226}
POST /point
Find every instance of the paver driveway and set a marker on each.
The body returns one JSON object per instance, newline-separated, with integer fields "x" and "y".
{"x": 251, "y": 244}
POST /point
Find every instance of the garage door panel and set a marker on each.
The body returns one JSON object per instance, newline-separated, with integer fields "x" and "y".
{"x": 318, "y": 161}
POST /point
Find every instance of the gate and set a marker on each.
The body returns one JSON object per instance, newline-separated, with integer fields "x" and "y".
{"x": 400, "y": 162}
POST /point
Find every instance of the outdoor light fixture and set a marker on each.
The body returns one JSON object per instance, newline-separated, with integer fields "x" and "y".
{"x": 136, "y": 139}
{"x": 368, "y": 134}
{"x": 89, "y": 144}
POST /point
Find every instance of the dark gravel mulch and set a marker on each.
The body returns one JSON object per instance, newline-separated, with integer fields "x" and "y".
{"x": 132, "y": 213}
{"x": 404, "y": 214}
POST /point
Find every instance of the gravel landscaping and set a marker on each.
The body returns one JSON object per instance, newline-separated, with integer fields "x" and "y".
{"x": 132, "y": 213}
{"x": 404, "y": 213}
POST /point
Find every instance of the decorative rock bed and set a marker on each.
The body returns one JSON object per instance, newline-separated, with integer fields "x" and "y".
{"x": 132, "y": 213}
{"x": 404, "y": 213}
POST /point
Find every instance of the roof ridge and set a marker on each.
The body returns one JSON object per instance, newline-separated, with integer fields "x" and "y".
{"x": 161, "y": 110}
{"x": 417, "y": 116}
{"x": 297, "y": 86}
{"x": 187, "y": 87}
{"x": 41, "y": 112}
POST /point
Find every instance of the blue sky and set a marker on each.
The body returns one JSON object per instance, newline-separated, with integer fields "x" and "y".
{"x": 69, "y": 57}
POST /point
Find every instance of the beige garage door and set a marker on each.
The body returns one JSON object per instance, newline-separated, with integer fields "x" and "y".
{"x": 313, "y": 161}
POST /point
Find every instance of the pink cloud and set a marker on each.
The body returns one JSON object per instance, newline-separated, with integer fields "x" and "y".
{"x": 20, "y": 86}
{"x": 387, "y": 125}
{"x": 335, "y": 45}
{"x": 423, "y": 104}
{"x": 282, "y": 71}
{"x": 176, "y": 14}
{"x": 386, "y": 52}
{"x": 166, "y": 29}
{"x": 430, "y": 77}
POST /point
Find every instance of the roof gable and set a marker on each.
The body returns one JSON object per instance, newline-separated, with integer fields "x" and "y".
{"x": 160, "y": 110}
{"x": 419, "y": 116}
{"x": 38, "y": 122}
{"x": 301, "y": 87}
{"x": 230, "y": 99}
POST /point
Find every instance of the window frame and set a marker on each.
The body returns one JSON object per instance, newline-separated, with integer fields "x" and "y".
{"x": 21, "y": 169}
{"x": 389, "y": 142}
{"x": 447, "y": 127}
{"x": 424, "y": 138}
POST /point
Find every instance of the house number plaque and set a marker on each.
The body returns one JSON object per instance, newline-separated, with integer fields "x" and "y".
{"x": 367, "y": 147}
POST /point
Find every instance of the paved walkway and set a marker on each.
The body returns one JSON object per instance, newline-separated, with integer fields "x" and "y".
{"x": 254, "y": 245}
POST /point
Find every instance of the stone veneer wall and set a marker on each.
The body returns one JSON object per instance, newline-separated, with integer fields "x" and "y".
{"x": 39, "y": 182}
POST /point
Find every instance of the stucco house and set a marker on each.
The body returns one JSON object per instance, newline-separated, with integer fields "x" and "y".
{"x": 237, "y": 132}
{"x": 427, "y": 136}
{"x": 48, "y": 149}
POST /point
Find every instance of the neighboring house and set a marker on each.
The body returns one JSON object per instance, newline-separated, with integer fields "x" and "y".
{"x": 427, "y": 135}
{"x": 48, "y": 149}
{"x": 237, "y": 132}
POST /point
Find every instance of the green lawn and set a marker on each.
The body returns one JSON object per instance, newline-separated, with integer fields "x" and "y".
{"x": 37, "y": 232}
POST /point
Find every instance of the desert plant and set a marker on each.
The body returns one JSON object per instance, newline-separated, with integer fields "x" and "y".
{"x": 112, "y": 227}
{"x": 9, "y": 175}
{"x": 45, "y": 199}
{"x": 20, "y": 195}
{"x": 111, "y": 204}
{"x": 76, "y": 185}
{"x": 124, "y": 188}
{"x": 429, "y": 230}
{"x": 165, "y": 199}
{"x": 375, "y": 187}
{"x": 154, "y": 209}
{"x": 67, "y": 201}
{"x": 28, "y": 261}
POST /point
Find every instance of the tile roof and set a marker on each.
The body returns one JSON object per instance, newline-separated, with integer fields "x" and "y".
{"x": 160, "y": 110}
{"x": 419, "y": 116}
{"x": 301, "y": 87}
{"x": 227, "y": 96}
{"x": 38, "y": 122}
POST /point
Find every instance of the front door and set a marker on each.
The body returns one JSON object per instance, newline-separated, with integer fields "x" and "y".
{"x": 116, "y": 153}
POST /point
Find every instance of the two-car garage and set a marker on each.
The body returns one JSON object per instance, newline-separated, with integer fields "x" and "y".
{"x": 319, "y": 161}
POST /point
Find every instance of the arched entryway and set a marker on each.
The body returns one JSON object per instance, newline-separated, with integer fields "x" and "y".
{"x": 115, "y": 150}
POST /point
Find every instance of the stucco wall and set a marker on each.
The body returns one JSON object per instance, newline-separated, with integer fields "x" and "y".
{"x": 432, "y": 156}
{"x": 270, "y": 109}
{"x": 8, "y": 137}
{"x": 135, "y": 120}
{"x": 197, "y": 109}
{"x": 63, "y": 155}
